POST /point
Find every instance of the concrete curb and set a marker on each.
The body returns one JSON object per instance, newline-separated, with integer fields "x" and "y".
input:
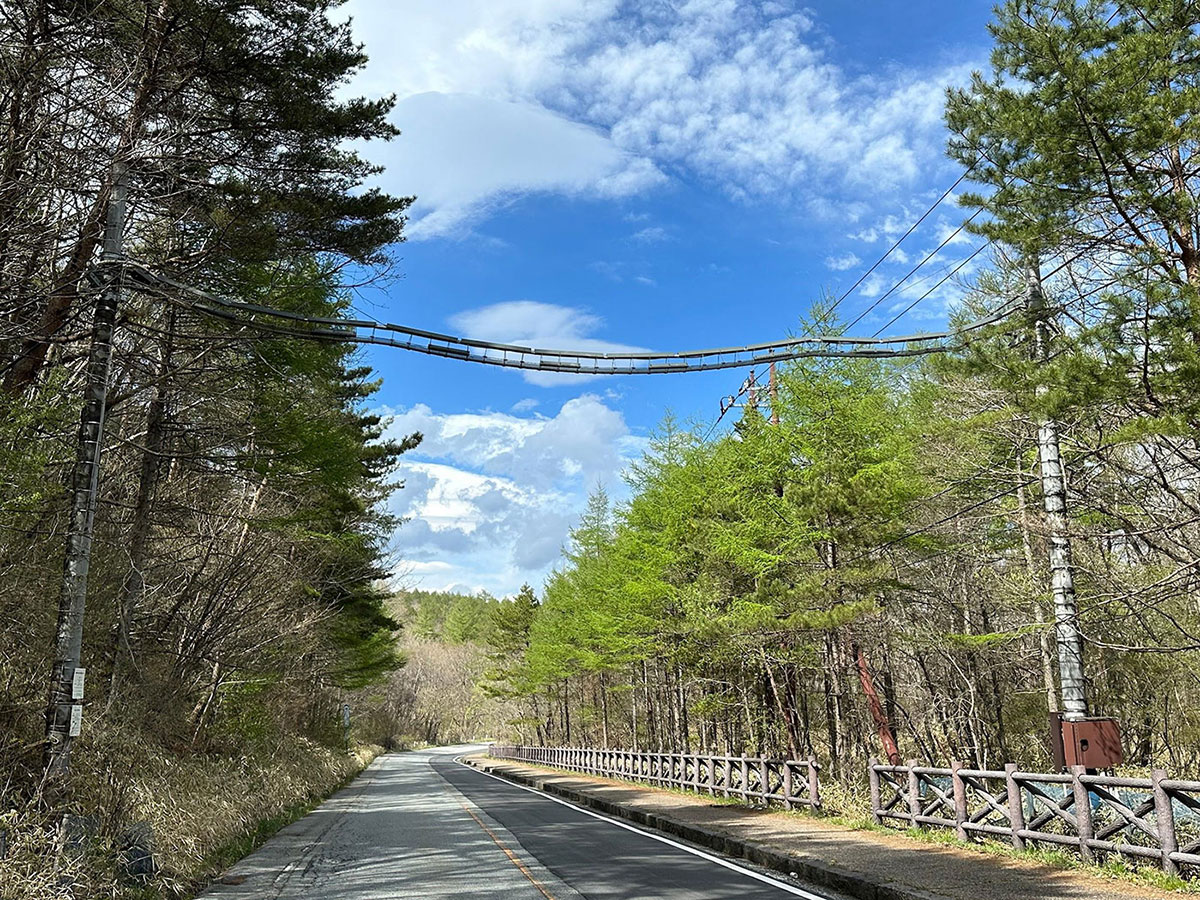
{"x": 811, "y": 869}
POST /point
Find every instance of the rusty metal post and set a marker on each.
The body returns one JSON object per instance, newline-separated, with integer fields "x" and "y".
{"x": 1164, "y": 822}
{"x": 1016, "y": 809}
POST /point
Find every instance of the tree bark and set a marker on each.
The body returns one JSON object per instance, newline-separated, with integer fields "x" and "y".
{"x": 883, "y": 725}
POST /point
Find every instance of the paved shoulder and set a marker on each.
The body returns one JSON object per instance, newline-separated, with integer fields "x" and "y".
{"x": 398, "y": 831}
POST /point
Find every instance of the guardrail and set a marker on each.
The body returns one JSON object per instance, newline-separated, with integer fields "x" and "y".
{"x": 788, "y": 782}
{"x": 1148, "y": 818}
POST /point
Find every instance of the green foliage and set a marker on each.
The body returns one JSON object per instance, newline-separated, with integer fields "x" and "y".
{"x": 753, "y": 547}
{"x": 449, "y": 617}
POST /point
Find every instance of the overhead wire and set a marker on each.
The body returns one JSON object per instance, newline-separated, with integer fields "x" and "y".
{"x": 895, "y": 246}
{"x": 929, "y": 256}
{"x": 824, "y": 316}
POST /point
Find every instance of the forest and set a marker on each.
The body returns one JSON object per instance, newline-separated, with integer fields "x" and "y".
{"x": 860, "y": 562}
{"x": 861, "y": 567}
{"x": 236, "y": 593}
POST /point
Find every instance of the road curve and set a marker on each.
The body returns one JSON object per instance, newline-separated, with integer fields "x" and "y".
{"x": 421, "y": 825}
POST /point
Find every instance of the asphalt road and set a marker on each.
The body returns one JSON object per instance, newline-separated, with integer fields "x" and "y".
{"x": 420, "y": 825}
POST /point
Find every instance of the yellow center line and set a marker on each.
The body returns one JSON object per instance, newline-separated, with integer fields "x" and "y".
{"x": 499, "y": 843}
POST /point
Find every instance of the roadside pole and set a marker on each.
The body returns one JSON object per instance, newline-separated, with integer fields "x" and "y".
{"x": 1054, "y": 497}
{"x": 66, "y": 679}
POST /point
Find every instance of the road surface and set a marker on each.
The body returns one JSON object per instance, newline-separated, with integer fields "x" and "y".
{"x": 420, "y": 825}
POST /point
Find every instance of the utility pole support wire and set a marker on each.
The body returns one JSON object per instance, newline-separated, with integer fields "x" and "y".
{"x": 84, "y": 484}
{"x": 1054, "y": 498}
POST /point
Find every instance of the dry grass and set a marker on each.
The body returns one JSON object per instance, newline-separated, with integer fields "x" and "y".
{"x": 206, "y": 810}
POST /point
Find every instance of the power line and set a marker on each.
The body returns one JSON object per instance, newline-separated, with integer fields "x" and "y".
{"x": 932, "y": 253}
{"x": 824, "y": 316}
{"x": 942, "y": 281}
{"x": 875, "y": 265}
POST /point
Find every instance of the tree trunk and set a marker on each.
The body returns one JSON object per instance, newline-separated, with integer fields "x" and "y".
{"x": 883, "y": 725}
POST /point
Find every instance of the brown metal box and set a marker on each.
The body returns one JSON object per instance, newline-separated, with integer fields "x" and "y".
{"x": 1092, "y": 743}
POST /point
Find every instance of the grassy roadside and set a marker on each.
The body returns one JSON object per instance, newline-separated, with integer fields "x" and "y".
{"x": 205, "y": 812}
{"x": 242, "y": 844}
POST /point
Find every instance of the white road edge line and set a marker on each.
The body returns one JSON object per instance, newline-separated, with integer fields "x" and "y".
{"x": 782, "y": 885}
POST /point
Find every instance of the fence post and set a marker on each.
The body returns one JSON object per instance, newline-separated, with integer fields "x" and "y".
{"x": 1083, "y": 812}
{"x": 712, "y": 776}
{"x": 914, "y": 793}
{"x": 814, "y": 784}
{"x": 745, "y": 780}
{"x": 786, "y": 789}
{"x": 1164, "y": 822}
{"x": 876, "y": 798}
{"x": 960, "y": 800}
{"x": 728, "y": 776}
{"x": 764, "y": 780}
{"x": 1016, "y": 809}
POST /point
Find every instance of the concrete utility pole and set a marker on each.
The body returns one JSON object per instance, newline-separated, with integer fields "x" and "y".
{"x": 1054, "y": 496}
{"x": 66, "y": 680}
{"x": 774, "y": 389}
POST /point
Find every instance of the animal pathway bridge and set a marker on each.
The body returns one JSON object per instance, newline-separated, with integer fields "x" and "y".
{"x": 137, "y": 276}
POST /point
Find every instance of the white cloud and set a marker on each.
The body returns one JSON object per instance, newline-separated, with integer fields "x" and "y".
{"x": 597, "y": 98}
{"x": 873, "y": 286}
{"x": 653, "y": 235}
{"x": 491, "y": 497}
{"x": 952, "y": 232}
{"x": 525, "y": 405}
{"x": 541, "y": 325}
{"x": 463, "y": 155}
{"x": 751, "y": 101}
{"x": 843, "y": 262}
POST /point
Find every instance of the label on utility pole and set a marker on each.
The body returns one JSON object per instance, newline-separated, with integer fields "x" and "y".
{"x": 345, "y": 715}
{"x": 77, "y": 683}
{"x": 76, "y": 720}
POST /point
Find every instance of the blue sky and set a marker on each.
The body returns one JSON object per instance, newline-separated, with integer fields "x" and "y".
{"x": 668, "y": 176}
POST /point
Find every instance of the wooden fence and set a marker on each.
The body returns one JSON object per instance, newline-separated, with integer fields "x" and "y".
{"x": 1156, "y": 818}
{"x": 788, "y": 782}
{"x": 1148, "y": 818}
